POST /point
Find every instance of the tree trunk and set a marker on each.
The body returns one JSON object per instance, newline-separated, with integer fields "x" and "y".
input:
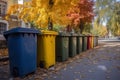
{"x": 81, "y": 27}
{"x": 50, "y": 24}
{"x": 69, "y": 29}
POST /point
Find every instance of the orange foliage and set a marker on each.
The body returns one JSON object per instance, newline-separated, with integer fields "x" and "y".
{"x": 82, "y": 12}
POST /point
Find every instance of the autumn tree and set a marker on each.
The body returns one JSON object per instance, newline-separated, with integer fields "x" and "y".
{"x": 115, "y": 20}
{"x": 81, "y": 14}
{"x": 43, "y": 13}
{"x": 107, "y": 11}
{"x": 99, "y": 31}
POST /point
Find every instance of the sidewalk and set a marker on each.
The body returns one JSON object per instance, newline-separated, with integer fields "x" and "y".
{"x": 100, "y": 63}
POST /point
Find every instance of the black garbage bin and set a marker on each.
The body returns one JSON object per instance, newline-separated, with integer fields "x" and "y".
{"x": 22, "y": 49}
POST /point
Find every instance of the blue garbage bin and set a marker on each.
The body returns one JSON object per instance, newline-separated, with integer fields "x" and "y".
{"x": 22, "y": 49}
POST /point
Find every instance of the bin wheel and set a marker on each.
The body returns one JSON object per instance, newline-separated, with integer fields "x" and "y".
{"x": 15, "y": 72}
{"x": 41, "y": 64}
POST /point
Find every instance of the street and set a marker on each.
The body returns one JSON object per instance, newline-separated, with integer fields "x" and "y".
{"x": 100, "y": 63}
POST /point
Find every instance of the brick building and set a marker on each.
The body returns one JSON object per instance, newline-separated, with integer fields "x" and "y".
{"x": 14, "y": 22}
{"x": 5, "y": 25}
{"x": 4, "y": 6}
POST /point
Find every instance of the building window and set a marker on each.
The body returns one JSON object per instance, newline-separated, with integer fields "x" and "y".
{"x": 0, "y": 9}
{"x": 3, "y": 27}
{"x": 3, "y": 8}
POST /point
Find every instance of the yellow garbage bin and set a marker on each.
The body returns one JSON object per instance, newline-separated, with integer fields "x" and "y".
{"x": 46, "y": 49}
{"x": 92, "y": 41}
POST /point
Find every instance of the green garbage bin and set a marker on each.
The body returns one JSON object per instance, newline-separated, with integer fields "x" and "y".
{"x": 72, "y": 45}
{"x": 62, "y": 47}
{"x": 79, "y": 44}
{"x": 84, "y": 41}
{"x": 95, "y": 41}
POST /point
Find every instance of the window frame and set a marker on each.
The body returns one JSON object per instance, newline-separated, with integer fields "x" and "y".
{"x": 4, "y": 22}
{"x": 3, "y": 8}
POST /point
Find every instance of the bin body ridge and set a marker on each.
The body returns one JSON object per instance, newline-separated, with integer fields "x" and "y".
{"x": 84, "y": 40}
{"x": 72, "y": 46}
{"x": 79, "y": 44}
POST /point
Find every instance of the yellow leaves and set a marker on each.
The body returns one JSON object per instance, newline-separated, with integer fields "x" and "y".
{"x": 100, "y": 30}
{"x": 74, "y": 2}
{"x": 38, "y": 11}
{"x": 60, "y": 20}
{"x": 33, "y": 3}
{"x": 40, "y": 3}
{"x": 40, "y": 23}
{"x": 103, "y": 31}
{"x": 7, "y": 17}
{"x": 26, "y": 4}
{"x": 44, "y": 19}
{"x": 14, "y": 9}
{"x": 57, "y": 2}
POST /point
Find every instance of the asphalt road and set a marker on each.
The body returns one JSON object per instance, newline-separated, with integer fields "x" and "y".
{"x": 102, "y": 63}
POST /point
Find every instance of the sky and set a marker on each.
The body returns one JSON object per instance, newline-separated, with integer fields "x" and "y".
{"x": 20, "y": 1}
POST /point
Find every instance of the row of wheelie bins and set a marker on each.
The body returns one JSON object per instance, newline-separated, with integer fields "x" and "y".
{"x": 29, "y": 48}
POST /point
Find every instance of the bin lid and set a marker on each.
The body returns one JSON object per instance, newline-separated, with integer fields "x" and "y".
{"x": 49, "y": 32}
{"x": 63, "y": 34}
{"x": 80, "y": 35}
{"x": 96, "y": 36}
{"x": 73, "y": 34}
{"x": 21, "y": 30}
{"x": 86, "y": 35}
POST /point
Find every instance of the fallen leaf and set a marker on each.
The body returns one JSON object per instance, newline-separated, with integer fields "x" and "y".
{"x": 44, "y": 75}
{"x": 82, "y": 76}
{"x": 90, "y": 71}
{"x": 54, "y": 77}
{"x": 65, "y": 69}
{"x": 108, "y": 71}
{"x": 118, "y": 67}
{"x": 107, "y": 77}
{"x": 71, "y": 67}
